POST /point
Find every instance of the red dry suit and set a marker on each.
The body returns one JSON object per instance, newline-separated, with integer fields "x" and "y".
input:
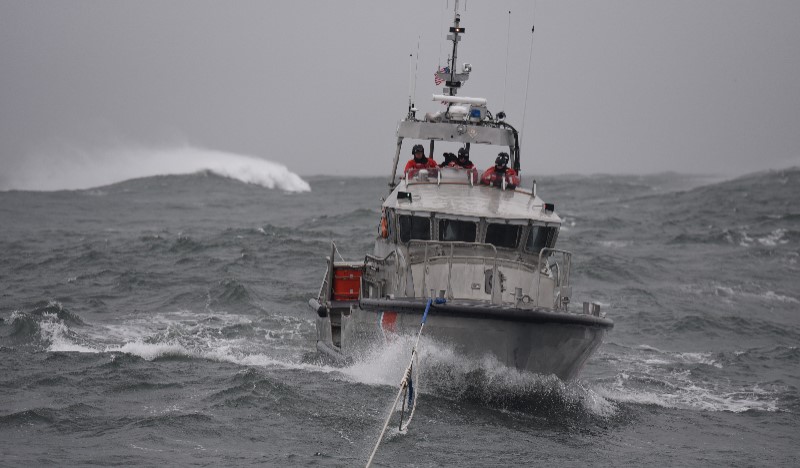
{"x": 495, "y": 178}
{"x": 426, "y": 163}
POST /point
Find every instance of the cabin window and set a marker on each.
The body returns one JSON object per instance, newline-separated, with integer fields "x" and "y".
{"x": 414, "y": 228}
{"x": 503, "y": 235}
{"x": 453, "y": 230}
{"x": 541, "y": 237}
{"x": 390, "y": 222}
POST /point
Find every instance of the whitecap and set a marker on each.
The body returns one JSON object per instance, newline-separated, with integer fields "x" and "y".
{"x": 661, "y": 381}
{"x": 76, "y": 170}
{"x": 774, "y": 238}
{"x": 59, "y": 337}
{"x": 772, "y": 296}
{"x": 150, "y": 351}
{"x": 615, "y": 244}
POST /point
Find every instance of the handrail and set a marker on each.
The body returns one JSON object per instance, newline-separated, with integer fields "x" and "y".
{"x": 562, "y": 280}
{"x": 447, "y": 251}
{"x": 496, "y": 296}
{"x": 322, "y": 287}
{"x": 384, "y": 260}
{"x": 472, "y": 176}
{"x": 328, "y": 278}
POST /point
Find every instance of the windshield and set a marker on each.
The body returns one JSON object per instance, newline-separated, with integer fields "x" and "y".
{"x": 541, "y": 237}
{"x": 414, "y": 227}
{"x": 503, "y": 235}
{"x": 457, "y": 231}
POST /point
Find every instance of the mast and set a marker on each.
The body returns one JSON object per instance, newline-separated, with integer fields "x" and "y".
{"x": 455, "y": 30}
{"x": 454, "y": 80}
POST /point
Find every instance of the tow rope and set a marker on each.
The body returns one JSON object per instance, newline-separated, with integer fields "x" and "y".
{"x": 406, "y": 387}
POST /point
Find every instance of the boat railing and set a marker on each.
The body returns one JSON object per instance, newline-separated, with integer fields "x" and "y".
{"x": 372, "y": 266}
{"x": 561, "y": 271}
{"x": 438, "y": 249}
{"x": 325, "y": 287}
{"x": 442, "y": 175}
{"x": 393, "y": 274}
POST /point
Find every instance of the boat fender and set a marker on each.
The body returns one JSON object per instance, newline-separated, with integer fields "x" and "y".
{"x": 321, "y": 310}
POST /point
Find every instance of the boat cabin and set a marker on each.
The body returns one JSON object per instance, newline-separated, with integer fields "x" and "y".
{"x": 440, "y": 234}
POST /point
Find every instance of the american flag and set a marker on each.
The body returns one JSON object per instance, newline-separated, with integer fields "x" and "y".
{"x": 437, "y": 79}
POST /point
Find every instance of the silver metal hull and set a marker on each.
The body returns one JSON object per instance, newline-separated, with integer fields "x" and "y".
{"x": 537, "y": 341}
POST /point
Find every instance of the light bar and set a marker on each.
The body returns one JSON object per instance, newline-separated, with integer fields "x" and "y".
{"x": 460, "y": 100}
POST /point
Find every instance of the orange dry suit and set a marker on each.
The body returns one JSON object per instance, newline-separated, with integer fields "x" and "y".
{"x": 494, "y": 177}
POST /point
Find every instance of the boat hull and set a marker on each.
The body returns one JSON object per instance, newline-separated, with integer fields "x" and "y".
{"x": 537, "y": 341}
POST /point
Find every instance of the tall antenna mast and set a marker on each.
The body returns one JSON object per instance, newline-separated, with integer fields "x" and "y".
{"x": 455, "y": 30}
{"x": 412, "y": 85}
{"x": 508, "y": 46}
{"x": 454, "y": 80}
{"x": 527, "y": 84}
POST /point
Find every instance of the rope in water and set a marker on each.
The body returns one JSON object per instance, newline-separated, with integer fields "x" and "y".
{"x": 404, "y": 384}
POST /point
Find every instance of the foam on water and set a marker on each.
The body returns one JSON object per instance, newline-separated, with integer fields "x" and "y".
{"x": 181, "y": 333}
{"x": 774, "y": 238}
{"x": 735, "y": 293}
{"x": 686, "y": 394}
{"x": 59, "y": 337}
{"x": 651, "y": 376}
{"x": 150, "y": 351}
{"x": 446, "y": 373}
{"x": 647, "y": 374}
{"x": 615, "y": 244}
{"x": 75, "y": 170}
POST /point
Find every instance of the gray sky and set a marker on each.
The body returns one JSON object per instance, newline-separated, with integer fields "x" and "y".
{"x": 615, "y": 86}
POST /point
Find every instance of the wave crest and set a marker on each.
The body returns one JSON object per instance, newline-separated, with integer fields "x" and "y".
{"x": 77, "y": 170}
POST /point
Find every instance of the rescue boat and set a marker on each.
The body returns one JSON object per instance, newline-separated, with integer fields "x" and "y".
{"x": 486, "y": 254}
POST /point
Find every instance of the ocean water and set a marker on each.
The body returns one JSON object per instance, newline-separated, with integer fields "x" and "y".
{"x": 163, "y": 321}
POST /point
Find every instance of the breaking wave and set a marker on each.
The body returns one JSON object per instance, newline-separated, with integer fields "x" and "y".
{"x": 77, "y": 170}
{"x": 449, "y": 374}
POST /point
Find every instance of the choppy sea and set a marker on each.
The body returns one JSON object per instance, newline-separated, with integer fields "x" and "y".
{"x": 163, "y": 321}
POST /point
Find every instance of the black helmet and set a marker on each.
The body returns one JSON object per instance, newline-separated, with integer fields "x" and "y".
{"x": 417, "y": 149}
{"x": 463, "y": 153}
{"x": 502, "y": 159}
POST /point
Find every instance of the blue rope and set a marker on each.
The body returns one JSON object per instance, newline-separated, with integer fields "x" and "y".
{"x": 438, "y": 300}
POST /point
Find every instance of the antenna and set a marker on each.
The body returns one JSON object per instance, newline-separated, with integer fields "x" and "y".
{"x": 411, "y": 84}
{"x": 441, "y": 22}
{"x": 508, "y": 42}
{"x": 525, "y": 108}
{"x": 412, "y": 92}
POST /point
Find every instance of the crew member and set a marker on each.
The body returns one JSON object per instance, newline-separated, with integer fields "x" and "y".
{"x": 464, "y": 163}
{"x": 449, "y": 160}
{"x": 463, "y": 159}
{"x": 495, "y": 175}
{"x": 419, "y": 161}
